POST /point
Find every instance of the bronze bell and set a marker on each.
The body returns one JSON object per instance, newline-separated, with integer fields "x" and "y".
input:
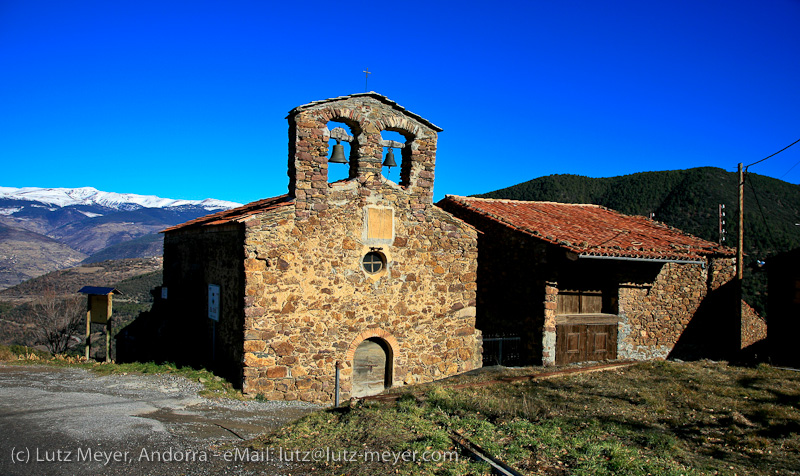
{"x": 389, "y": 161}
{"x": 338, "y": 154}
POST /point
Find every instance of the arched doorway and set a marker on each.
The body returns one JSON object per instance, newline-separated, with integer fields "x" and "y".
{"x": 372, "y": 367}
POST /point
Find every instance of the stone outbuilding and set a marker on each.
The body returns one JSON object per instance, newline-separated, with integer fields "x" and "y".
{"x": 783, "y": 274}
{"x": 363, "y": 272}
{"x": 584, "y": 283}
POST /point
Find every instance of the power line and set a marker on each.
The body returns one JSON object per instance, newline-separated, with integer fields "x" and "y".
{"x": 764, "y": 218}
{"x": 790, "y": 169}
{"x": 776, "y": 153}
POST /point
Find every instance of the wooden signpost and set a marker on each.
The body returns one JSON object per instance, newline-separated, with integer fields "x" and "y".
{"x": 98, "y": 310}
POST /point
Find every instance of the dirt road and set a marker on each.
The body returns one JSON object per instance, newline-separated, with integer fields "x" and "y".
{"x": 57, "y": 421}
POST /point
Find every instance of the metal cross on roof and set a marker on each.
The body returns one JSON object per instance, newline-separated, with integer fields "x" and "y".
{"x": 366, "y": 72}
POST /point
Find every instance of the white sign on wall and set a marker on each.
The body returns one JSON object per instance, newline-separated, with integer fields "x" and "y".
{"x": 213, "y": 302}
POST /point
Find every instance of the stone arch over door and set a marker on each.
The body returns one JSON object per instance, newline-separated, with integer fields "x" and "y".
{"x": 372, "y": 356}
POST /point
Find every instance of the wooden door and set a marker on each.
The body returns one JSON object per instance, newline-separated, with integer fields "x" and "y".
{"x": 371, "y": 369}
{"x": 585, "y": 342}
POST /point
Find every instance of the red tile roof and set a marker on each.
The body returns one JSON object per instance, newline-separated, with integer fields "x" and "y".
{"x": 588, "y": 229}
{"x": 236, "y": 215}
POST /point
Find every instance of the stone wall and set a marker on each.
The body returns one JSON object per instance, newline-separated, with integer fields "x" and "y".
{"x": 754, "y": 327}
{"x": 688, "y": 311}
{"x": 366, "y": 115}
{"x": 511, "y": 285}
{"x": 193, "y": 259}
{"x": 308, "y": 301}
{"x": 549, "y": 330}
{"x": 654, "y": 315}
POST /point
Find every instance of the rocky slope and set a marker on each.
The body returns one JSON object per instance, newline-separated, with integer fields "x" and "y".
{"x": 25, "y": 255}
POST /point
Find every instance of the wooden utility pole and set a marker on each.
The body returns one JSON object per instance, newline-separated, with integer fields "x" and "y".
{"x": 740, "y": 244}
{"x": 108, "y": 333}
{"x": 88, "y": 330}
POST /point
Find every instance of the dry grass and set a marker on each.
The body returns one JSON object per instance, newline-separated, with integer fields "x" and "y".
{"x": 652, "y": 418}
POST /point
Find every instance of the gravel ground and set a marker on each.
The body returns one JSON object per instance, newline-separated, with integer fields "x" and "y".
{"x": 62, "y": 421}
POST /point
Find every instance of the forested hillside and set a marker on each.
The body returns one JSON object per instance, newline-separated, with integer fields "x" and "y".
{"x": 689, "y": 200}
{"x": 135, "y": 278}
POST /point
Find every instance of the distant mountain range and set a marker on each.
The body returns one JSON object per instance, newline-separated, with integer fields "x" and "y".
{"x": 45, "y": 229}
{"x": 91, "y": 197}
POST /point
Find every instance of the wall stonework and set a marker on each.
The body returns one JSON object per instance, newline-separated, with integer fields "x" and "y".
{"x": 308, "y": 300}
{"x": 193, "y": 260}
{"x": 511, "y": 287}
{"x": 366, "y": 115}
{"x": 549, "y": 334}
{"x": 656, "y": 314}
{"x": 688, "y": 310}
{"x": 721, "y": 271}
{"x": 754, "y": 327}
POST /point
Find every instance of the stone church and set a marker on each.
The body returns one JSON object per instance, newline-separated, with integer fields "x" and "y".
{"x": 368, "y": 276}
{"x": 363, "y": 273}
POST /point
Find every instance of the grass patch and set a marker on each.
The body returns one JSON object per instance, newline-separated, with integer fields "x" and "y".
{"x": 15, "y": 352}
{"x": 365, "y": 431}
{"x": 660, "y": 418}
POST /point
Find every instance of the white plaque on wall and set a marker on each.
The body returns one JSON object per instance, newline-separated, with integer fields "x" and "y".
{"x": 213, "y": 302}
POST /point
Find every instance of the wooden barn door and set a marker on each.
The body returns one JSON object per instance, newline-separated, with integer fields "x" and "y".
{"x": 580, "y": 342}
{"x": 372, "y": 368}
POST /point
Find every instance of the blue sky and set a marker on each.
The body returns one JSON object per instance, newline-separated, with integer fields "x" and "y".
{"x": 188, "y": 99}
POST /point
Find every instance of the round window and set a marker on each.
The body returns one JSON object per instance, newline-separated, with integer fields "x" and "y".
{"x": 372, "y": 262}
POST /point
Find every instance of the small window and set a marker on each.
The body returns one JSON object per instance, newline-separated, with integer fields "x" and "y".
{"x": 373, "y": 262}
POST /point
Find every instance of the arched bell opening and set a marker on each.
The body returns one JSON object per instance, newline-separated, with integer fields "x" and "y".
{"x": 372, "y": 367}
{"x": 342, "y": 150}
{"x": 397, "y": 145}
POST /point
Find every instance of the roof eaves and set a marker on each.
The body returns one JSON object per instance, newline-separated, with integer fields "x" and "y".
{"x": 235, "y": 215}
{"x": 98, "y": 290}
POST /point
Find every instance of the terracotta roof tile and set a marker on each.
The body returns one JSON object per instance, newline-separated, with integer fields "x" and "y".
{"x": 237, "y": 214}
{"x": 589, "y": 229}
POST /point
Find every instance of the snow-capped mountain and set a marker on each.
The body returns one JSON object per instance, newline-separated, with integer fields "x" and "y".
{"x": 43, "y": 229}
{"x": 64, "y": 197}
